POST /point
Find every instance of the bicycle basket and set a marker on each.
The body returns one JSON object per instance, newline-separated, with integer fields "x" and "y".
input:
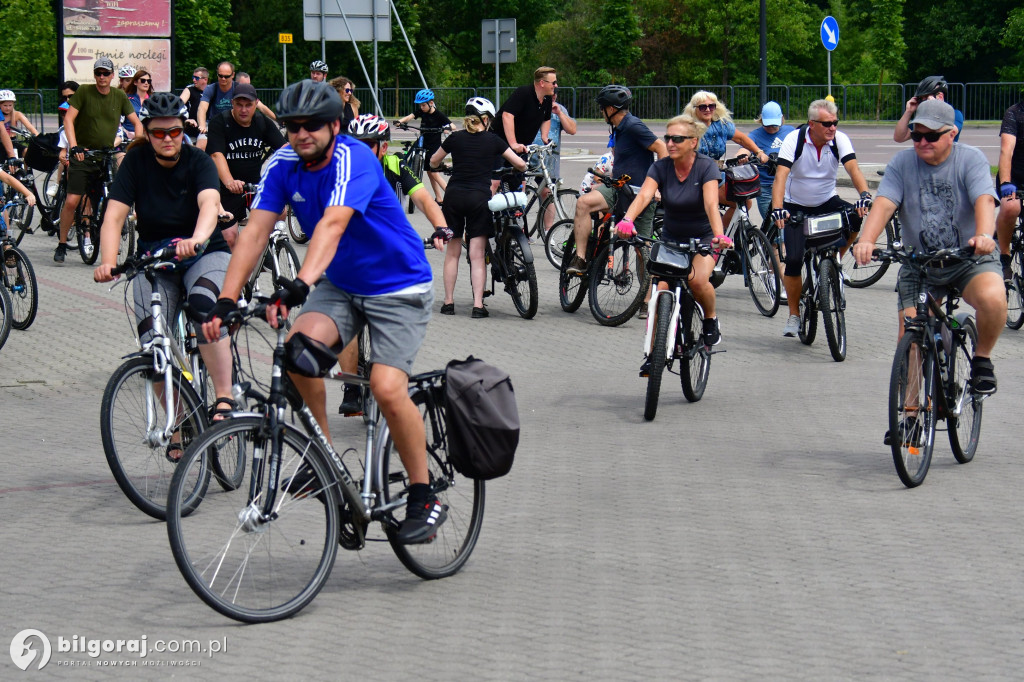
{"x": 42, "y": 152}
{"x": 822, "y": 230}
{"x": 667, "y": 260}
{"x": 742, "y": 182}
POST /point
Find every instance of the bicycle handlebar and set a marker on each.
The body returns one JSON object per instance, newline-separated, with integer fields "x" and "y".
{"x": 616, "y": 182}
{"x": 922, "y": 258}
{"x": 534, "y": 148}
{"x": 165, "y": 255}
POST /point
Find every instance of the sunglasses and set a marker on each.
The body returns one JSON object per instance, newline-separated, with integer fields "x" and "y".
{"x": 198, "y": 78}
{"x": 678, "y": 139}
{"x": 225, "y": 76}
{"x": 145, "y": 80}
{"x": 707, "y": 107}
{"x": 348, "y": 89}
{"x": 552, "y": 82}
{"x": 931, "y": 137}
{"x": 161, "y": 133}
{"x": 828, "y": 124}
{"x": 294, "y": 127}
{"x": 103, "y": 74}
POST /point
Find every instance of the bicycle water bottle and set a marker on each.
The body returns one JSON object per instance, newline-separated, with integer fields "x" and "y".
{"x": 947, "y": 336}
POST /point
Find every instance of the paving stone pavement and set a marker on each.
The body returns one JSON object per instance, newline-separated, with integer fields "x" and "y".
{"x": 760, "y": 533}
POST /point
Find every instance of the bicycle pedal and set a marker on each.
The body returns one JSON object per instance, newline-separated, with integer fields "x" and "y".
{"x": 487, "y": 292}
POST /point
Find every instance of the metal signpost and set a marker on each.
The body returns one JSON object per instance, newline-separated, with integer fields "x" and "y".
{"x": 830, "y": 39}
{"x": 285, "y": 39}
{"x": 498, "y": 46}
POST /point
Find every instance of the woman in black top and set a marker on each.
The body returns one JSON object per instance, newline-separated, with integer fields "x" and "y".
{"x": 688, "y": 182}
{"x": 176, "y": 194}
{"x": 347, "y": 90}
{"x": 474, "y": 152}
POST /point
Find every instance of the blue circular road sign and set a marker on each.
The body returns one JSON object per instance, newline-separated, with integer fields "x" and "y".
{"x": 829, "y": 33}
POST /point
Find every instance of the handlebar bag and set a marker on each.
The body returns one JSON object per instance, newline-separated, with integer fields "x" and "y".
{"x": 742, "y": 182}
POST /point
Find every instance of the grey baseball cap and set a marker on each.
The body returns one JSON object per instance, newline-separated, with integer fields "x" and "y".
{"x": 104, "y": 63}
{"x": 934, "y": 114}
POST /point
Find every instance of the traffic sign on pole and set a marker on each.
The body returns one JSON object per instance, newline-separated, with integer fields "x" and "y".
{"x": 829, "y": 33}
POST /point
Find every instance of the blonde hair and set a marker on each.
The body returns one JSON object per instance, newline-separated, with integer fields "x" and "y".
{"x": 476, "y": 124}
{"x": 696, "y": 127}
{"x": 542, "y": 71}
{"x": 702, "y": 96}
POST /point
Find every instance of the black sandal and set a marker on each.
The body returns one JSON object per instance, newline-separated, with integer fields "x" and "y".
{"x": 172, "y": 447}
{"x": 222, "y": 412}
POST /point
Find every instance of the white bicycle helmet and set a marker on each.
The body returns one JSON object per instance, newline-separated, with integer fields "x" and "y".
{"x": 7, "y": 96}
{"x": 318, "y": 65}
{"x": 479, "y": 106}
{"x": 126, "y": 71}
{"x": 369, "y": 127}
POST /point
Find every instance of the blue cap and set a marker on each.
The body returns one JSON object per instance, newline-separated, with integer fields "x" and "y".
{"x": 64, "y": 106}
{"x": 771, "y": 114}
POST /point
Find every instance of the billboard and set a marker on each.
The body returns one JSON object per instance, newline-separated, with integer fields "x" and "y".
{"x": 117, "y": 18}
{"x": 151, "y": 54}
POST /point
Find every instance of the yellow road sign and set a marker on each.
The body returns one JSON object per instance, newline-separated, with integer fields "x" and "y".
{"x": 285, "y": 38}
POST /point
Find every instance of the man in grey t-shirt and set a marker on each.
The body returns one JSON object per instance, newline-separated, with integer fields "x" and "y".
{"x": 945, "y": 197}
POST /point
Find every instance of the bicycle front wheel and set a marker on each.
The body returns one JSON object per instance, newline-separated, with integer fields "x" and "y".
{"x": 830, "y": 301}
{"x": 127, "y": 246}
{"x": 696, "y": 361}
{"x": 861, "y": 276}
{"x": 521, "y": 279}
{"x": 571, "y": 288}
{"x": 19, "y": 221}
{"x": 762, "y": 271}
{"x": 20, "y": 279}
{"x": 658, "y": 356}
{"x": 618, "y": 281}
{"x": 555, "y": 241}
{"x": 5, "y": 315}
{"x": 912, "y": 412}
{"x": 248, "y": 558}
{"x": 463, "y": 498}
{"x": 1015, "y": 287}
{"x": 964, "y": 418}
{"x": 85, "y": 230}
{"x": 132, "y": 417}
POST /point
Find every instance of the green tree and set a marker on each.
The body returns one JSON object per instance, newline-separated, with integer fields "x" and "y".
{"x": 30, "y": 44}
{"x": 202, "y": 36}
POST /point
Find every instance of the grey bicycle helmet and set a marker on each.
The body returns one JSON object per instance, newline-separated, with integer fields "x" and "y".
{"x": 369, "y": 127}
{"x": 163, "y": 104}
{"x": 307, "y": 99}
{"x": 424, "y": 96}
{"x": 932, "y": 85}
{"x": 479, "y": 106}
{"x": 318, "y": 65}
{"x": 618, "y": 96}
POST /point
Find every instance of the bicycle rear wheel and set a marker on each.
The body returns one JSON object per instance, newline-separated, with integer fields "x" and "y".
{"x": 695, "y": 366}
{"x": 521, "y": 278}
{"x": 658, "y": 356}
{"x": 861, "y": 276}
{"x": 131, "y": 416}
{"x": 964, "y": 422}
{"x": 86, "y": 231}
{"x": 127, "y": 246}
{"x": 618, "y": 281}
{"x": 549, "y": 212}
{"x": 571, "y": 288}
{"x": 19, "y": 221}
{"x": 5, "y": 315}
{"x": 241, "y": 563}
{"x": 762, "y": 271}
{"x": 1015, "y": 287}
{"x": 20, "y": 280}
{"x": 51, "y": 181}
{"x": 463, "y": 498}
{"x": 555, "y": 241}
{"x": 830, "y": 300}
{"x": 912, "y": 412}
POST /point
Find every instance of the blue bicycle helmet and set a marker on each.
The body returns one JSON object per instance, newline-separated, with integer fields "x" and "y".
{"x": 424, "y": 96}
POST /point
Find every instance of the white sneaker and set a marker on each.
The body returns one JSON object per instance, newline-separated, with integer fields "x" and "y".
{"x": 792, "y": 326}
{"x": 88, "y": 247}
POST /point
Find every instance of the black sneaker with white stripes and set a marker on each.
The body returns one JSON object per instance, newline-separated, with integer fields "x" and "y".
{"x": 424, "y": 514}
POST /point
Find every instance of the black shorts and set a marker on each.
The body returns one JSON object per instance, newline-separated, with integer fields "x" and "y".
{"x": 466, "y": 211}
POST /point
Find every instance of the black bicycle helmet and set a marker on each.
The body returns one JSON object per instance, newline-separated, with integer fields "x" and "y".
{"x": 307, "y": 99}
{"x": 617, "y": 96}
{"x": 163, "y": 104}
{"x": 932, "y": 85}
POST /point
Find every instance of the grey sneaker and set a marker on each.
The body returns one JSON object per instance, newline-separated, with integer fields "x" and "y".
{"x": 59, "y": 253}
{"x": 578, "y": 266}
{"x": 792, "y": 326}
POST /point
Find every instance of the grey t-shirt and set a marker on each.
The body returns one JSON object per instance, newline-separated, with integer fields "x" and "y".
{"x": 937, "y": 202}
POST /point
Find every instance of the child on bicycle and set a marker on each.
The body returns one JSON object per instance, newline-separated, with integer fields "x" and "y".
{"x": 30, "y": 198}
{"x": 12, "y": 117}
{"x": 430, "y": 117}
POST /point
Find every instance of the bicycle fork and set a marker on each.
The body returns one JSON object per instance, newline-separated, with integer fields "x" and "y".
{"x": 673, "y": 326}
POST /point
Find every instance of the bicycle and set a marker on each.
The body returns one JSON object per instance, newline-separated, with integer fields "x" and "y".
{"x": 1015, "y": 285}
{"x": 509, "y": 254}
{"x": 861, "y": 276}
{"x": 5, "y": 315}
{"x": 89, "y": 213}
{"x": 822, "y": 284}
{"x": 279, "y": 258}
{"x": 139, "y": 415}
{"x": 17, "y": 211}
{"x": 560, "y": 202}
{"x": 415, "y": 156}
{"x": 676, "y": 323}
{"x": 616, "y": 277}
{"x": 17, "y": 275}
{"x": 263, "y": 550}
{"x": 753, "y": 256}
{"x": 931, "y": 373}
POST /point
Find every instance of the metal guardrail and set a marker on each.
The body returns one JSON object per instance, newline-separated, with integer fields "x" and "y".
{"x": 31, "y": 103}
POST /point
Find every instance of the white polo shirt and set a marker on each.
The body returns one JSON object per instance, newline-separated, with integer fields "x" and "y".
{"x": 812, "y": 179}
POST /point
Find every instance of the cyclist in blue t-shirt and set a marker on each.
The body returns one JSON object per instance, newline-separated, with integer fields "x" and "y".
{"x": 769, "y": 138}
{"x": 376, "y": 274}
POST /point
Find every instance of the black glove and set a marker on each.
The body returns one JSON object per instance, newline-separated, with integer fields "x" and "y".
{"x": 76, "y": 150}
{"x": 290, "y": 293}
{"x": 445, "y": 234}
{"x": 864, "y": 201}
{"x": 780, "y": 214}
{"x": 222, "y": 309}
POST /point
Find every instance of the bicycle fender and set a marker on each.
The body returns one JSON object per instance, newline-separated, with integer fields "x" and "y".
{"x": 524, "y": 243}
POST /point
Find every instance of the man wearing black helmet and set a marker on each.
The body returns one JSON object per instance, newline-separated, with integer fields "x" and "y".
{"x": 932, "y": 87}
{"x": 635, "y": 150}
{"x": 376, "y": 275}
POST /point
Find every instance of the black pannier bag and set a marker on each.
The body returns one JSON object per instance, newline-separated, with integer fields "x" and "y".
{"x": 42, "y": 152}
{"x": 482, "y": 419}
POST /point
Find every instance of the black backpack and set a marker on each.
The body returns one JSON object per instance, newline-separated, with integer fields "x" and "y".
{"x": 482, "y": 419}
{"x": 801, "y": 134}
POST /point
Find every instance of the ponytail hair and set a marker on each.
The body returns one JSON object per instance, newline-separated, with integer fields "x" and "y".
{"x": 476, "y": 124}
